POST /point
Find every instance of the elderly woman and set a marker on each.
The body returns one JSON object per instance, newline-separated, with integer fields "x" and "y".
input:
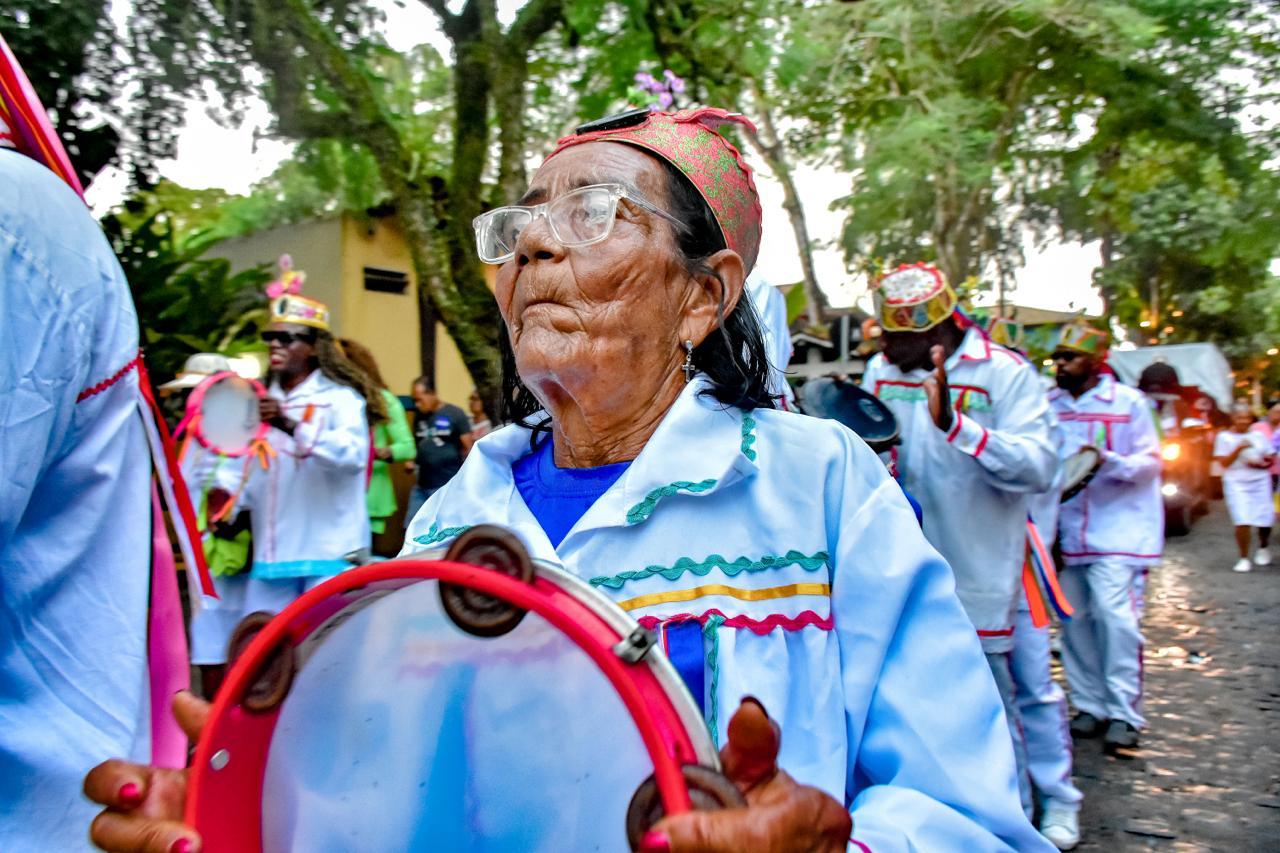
{"x": 645, "y": 456}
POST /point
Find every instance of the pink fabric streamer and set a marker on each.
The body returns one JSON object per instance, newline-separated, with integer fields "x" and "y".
{"x": 166, "y": 646}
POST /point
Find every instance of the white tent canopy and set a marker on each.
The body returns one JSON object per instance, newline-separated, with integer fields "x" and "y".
{"x": 1202, "y": 365}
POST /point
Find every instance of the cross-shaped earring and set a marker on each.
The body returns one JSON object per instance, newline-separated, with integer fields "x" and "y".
{"x": 688, "y": 367}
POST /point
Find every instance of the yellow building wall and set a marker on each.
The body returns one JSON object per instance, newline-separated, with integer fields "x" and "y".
{"x": 387, "y": 323}
{"x": 333, "y": 252}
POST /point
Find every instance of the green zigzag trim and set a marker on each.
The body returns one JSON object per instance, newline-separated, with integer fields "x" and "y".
{"x": 644, "y": 509}
{"x": 748, "y": 436}
{"x": 434, "y": 534}
{"x": 711, "y": 633}
{"x": 713, "y": 562}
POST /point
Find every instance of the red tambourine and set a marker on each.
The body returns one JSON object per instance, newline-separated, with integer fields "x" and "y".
{"x": 474, "y": 703}
{"x": 222, "y": 414}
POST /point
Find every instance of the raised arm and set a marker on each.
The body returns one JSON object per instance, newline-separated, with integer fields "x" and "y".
{"x": 1017, "y": 455}
{"x": 339, "y": 438}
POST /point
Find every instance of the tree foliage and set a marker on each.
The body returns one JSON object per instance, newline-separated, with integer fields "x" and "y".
{"x": 968, "y": 126}
{"x": 187, "y": 303}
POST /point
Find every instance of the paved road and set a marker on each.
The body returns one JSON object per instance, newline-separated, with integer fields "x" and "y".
{"x": 1207, "y": 775}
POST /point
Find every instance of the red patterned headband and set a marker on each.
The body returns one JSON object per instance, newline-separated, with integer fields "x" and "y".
{"x": 688, "y": 140}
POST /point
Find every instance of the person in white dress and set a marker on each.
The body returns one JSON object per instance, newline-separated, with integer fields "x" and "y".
{"x": 1246, "y": 458}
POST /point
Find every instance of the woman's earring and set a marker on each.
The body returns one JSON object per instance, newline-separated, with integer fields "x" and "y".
{"x": 688, "y": 367}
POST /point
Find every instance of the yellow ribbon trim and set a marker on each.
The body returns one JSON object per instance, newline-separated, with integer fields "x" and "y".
{"x": 730, "y": 591}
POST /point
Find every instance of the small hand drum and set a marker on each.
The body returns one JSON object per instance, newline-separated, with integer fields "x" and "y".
{"x": 1077, "y": 470}
{"x": 475, "y": 703}
{"x": 222, "y": 414}
{"x": 857, "y": 409}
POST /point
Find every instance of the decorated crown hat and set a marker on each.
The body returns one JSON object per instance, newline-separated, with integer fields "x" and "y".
{"x": 300, "y": 310}
{"x": 1079, "y": 336}
{"x": 288, "y": 305}
{"x": 914, "y": 298}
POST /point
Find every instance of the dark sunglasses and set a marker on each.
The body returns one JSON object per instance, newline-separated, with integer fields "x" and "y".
{"x": 1064, "y": 355}
{"x": 287, "y": 338}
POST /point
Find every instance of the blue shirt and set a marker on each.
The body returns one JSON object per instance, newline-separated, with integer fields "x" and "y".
{"x": 75, "y": 513}
{"x": 558, "y": 497}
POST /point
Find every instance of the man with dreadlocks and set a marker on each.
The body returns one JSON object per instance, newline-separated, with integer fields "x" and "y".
{"x": 306, "y": 507}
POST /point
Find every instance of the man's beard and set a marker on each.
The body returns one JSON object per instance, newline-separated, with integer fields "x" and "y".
{"x": 1071, "y": 383}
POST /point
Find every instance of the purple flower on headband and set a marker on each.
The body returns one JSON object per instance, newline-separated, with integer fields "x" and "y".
{"x": 646, "y": 81}
{"x": 674, "y": 83}
{"x": 664, "y": 100}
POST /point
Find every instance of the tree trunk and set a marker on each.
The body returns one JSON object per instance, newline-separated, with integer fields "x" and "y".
{"x": 771, "y": 150}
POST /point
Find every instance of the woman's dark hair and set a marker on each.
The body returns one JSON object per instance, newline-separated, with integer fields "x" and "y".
{"x": 333, "y": 364}
{"x": 733, "y": 356}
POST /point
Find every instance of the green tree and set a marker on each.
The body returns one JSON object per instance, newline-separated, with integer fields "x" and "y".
{"x": 186, "y": 303}
{"x": 79, "y": 64}
{"x": 329, "y": 77}
{"x": 739, "y": 54}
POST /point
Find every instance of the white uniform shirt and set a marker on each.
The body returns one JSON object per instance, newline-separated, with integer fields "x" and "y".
{"x": 786, "y": 537}
{"x": 1225, "y": 443}
{"x": 771, "y": 309}
{"x": 75, "y": 513}
{"x": 1120, "y": 513}
{"x": 308, "y": 507}
{"x": 975, "y": 483}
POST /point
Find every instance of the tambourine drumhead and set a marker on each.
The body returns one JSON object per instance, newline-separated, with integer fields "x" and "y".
{"x": 401, "y": 731}
{"x": 857, "y": 409}
{"x": 1078, "y": 469}
{"x": 228, "y": 419}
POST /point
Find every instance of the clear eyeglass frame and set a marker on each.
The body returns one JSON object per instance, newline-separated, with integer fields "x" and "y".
{"x": 495, "y": 240}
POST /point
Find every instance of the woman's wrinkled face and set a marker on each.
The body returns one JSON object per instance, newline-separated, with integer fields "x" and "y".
{"x": 612, "y": 309}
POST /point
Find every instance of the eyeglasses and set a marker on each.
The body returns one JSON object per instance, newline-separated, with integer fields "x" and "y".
{"x": 578, "y": 218}
{"x": 287, "y": 338}
{"x": 1064, "y": 355}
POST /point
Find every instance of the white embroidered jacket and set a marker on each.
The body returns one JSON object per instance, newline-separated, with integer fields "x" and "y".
{"x": 976, "y": 482}
{"x": 308, "y": 507}
{"x": 785, "y": 536}
{"x": 1120, "y": 514}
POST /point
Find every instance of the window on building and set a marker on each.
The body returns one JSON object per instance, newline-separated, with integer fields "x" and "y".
{"x": 385, "y": 281}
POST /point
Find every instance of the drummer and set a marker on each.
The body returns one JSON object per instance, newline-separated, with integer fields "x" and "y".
{"x": 976, "y": 446}
{"x": 645, "y": 455}
{"x": 1110, "y": 533}
{"x": 307, "y": 508}
{"x": 210, "y": 475}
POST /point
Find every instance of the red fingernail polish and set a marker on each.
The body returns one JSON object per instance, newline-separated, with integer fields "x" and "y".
{"x": 182, "y": 845}
{"x": 130, "y": 792}
{"x": 655, "y": 842}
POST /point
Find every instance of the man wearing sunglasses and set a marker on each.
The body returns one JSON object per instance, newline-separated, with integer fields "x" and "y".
{"x": 306, "y": 507}
{"x": 1110, "y": 534}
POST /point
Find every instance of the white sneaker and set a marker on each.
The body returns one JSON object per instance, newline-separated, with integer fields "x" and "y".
{"x": 1263, "y": 557}
{"x": 1060, "y": 824}
{"x": 1242, "y": 565}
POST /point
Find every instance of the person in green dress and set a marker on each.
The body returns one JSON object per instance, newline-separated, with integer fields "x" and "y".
{"x": 392, "y": 440}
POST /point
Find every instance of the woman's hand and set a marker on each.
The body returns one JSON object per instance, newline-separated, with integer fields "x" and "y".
{"x": 145, "y": 804}
{"x": 781, "y": 815}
